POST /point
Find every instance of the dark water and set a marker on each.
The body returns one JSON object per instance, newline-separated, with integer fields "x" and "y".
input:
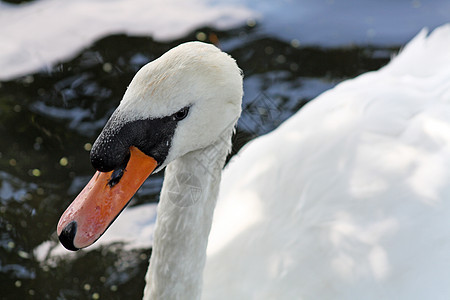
{"x": 49, "y": 120}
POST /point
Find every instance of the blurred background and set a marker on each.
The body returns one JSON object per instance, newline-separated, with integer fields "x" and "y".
{"x": 64, "y": 66}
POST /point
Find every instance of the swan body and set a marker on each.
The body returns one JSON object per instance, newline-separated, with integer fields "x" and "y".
{"x": 345, "y": 200}
{"x": 350, "y": 197}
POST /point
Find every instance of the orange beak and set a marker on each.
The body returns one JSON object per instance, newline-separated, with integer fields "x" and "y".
{"x": 100, "y": 202}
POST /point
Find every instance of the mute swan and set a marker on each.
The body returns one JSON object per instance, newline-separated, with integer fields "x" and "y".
{"x": 345, "y": 200}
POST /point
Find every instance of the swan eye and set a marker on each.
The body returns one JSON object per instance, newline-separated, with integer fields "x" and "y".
{"x": 181, "y": 114}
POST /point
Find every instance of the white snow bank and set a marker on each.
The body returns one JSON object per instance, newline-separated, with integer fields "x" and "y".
{"x": 37, "y": 35}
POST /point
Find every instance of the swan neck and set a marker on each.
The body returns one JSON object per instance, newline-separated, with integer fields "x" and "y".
{"x": 185, "y": 212}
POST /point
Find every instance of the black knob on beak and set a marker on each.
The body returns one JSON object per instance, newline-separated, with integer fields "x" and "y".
{"x": 68, "y": 235}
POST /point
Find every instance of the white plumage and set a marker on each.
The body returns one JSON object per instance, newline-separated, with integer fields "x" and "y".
{"x": 350, "y": 197}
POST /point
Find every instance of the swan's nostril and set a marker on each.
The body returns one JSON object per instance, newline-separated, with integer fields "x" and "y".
{"x": 68, "y": 235}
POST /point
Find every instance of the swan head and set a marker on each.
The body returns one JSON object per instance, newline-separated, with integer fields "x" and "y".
{"x": 181, "y": 102}
{"x": 178, "y": 103}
